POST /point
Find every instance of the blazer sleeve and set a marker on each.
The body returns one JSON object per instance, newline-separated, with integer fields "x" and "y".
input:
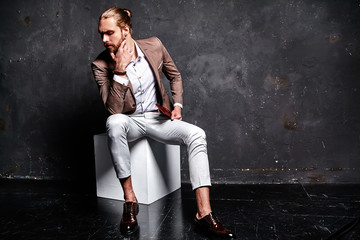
{"x": 115, "y": 96}
{"x": 172, "y": 73}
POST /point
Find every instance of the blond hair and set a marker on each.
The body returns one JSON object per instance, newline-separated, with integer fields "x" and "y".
{"x": 121, "y": 15}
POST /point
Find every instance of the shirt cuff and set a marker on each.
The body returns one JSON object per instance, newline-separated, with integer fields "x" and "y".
{"x": 121, "y": 80}
{"x": 178, "y": 104}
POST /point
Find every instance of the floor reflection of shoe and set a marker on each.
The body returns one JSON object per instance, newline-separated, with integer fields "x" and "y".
{"x": 128, "y": 223}
{"x": 212, "y": 224}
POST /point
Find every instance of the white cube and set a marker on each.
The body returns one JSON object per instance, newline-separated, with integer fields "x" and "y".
{"x": 155, "y": 170}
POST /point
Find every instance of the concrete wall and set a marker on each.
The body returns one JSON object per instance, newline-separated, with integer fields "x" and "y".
{"x": 275, "y": 85}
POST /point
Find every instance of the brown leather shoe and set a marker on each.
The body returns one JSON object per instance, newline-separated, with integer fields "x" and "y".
{"x": 128, "y": 223}
{"x": 212, "y": 224}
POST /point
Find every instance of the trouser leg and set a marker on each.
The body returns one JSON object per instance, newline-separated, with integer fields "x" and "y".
{"x": 121, "y": 129}
{"x": 180, "y": 132}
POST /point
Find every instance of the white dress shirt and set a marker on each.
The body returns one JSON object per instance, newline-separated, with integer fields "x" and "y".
{"x": 142, "y": 79}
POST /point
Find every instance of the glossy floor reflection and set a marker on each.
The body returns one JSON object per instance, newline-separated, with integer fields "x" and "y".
{"x": 48, "y": 211}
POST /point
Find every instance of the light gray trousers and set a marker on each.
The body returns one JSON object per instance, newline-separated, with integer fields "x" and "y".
{"x": 122, "y": 129}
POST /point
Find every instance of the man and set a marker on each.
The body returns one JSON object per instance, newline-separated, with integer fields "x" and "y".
{"x": 128, "y": 74}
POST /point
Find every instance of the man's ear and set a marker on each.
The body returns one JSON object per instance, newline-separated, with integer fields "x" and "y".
{"x": 125, "y": 30}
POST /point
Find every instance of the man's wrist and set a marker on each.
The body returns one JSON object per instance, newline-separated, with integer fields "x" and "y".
{"x": 178, "y": 104}
{"x": 121, "y": 79}
{"x": 119, "y": 72}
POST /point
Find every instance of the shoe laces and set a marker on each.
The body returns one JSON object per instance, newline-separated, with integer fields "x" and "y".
{"x": 214, "y": 220}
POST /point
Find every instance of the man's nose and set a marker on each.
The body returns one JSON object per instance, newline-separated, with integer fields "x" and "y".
{"x": 105, "y": 38}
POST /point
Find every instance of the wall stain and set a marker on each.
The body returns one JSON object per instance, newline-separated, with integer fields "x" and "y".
{"x": 11, "y": 172}
{"x": 2, "y": 124}
{"x": 290, "y": 123}
{"x": 8, "y": 107}
{"x": 335, "y": 37}
{"x": 309, "y": 62}
{"x": 27, "y": 21}
{"x": 46, "y": 158}
{"x": 274, "y": 169}
{"x": 317, "y": 178}
{"x": 306, "y": 169}
{"x": 278, "y": 82}
{"x": 334, "y": 169}
{"x": 90, "y": 77}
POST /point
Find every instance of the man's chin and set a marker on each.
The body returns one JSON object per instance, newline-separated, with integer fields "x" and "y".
{"x": 111, "y": 50}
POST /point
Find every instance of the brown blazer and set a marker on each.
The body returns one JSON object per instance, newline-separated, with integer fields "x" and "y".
{"x": 119, "y": 98}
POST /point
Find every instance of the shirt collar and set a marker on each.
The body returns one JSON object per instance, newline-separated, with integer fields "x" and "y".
{"x": 138, "y": 50}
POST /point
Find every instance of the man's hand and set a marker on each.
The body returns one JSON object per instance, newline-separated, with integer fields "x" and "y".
{"x": 122, "y": 57}
{"x": 176, "y": 113}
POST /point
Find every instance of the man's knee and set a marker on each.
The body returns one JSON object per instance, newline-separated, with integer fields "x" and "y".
{"x": 201, "y": 134}
{"x": 116, "y": 124}
{"x": 198, "y": 135}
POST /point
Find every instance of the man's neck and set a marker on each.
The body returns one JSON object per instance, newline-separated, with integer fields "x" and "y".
{"x": 133, "y": 48}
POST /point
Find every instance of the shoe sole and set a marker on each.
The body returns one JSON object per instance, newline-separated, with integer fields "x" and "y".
{"x": 208, "y": 232}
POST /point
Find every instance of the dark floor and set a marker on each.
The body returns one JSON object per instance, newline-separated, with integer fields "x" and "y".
{"x": 47, "y": 210}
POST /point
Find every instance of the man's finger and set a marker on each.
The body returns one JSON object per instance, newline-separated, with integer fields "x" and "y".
{"x": 176, "y": 116}
{"x": 122, "y": 45}
{"x": 112, "y": 55}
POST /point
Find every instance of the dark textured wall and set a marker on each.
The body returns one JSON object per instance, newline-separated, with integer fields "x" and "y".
{"x": 275, "y": 84}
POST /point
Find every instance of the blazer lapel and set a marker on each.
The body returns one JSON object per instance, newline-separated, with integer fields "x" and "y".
{"x": 148, "y": 54}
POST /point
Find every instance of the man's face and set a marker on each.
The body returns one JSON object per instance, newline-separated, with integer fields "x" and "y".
{"x": 112, "y": 35}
